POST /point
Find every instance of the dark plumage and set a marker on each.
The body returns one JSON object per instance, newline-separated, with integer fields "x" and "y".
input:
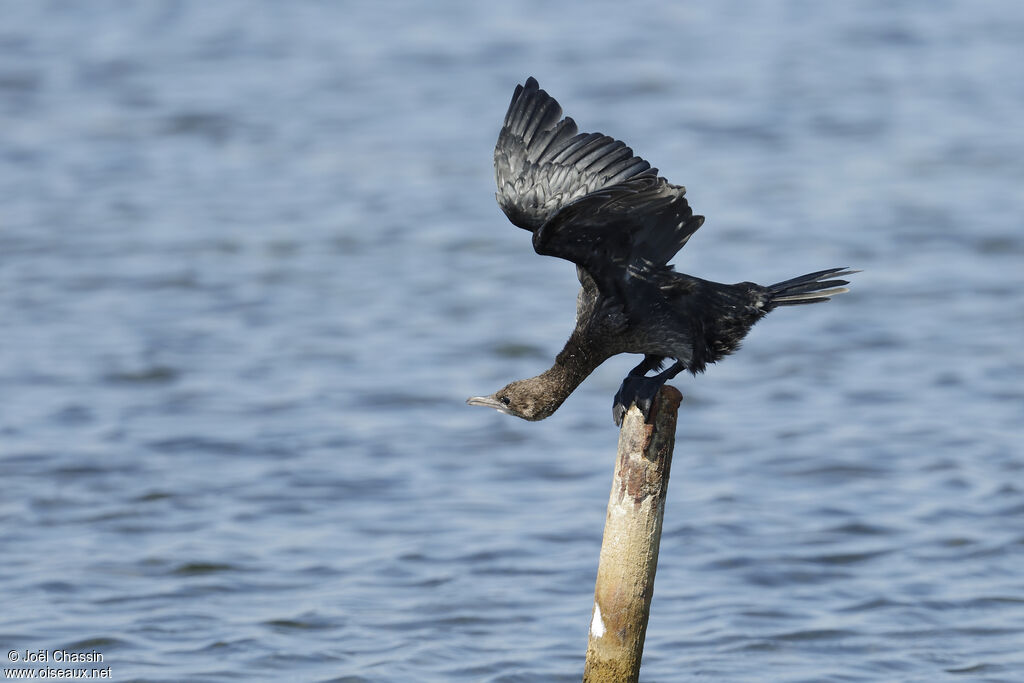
{"x": 587, "y": 199}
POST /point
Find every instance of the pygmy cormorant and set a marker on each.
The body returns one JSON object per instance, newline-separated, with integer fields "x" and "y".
{"x": 587, "y": 199}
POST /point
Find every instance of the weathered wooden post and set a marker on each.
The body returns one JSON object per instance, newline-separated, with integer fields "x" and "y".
{"x": 632, "y": 534}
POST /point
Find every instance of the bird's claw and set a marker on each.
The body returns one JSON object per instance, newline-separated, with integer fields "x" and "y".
{"x": 640, "y": 391}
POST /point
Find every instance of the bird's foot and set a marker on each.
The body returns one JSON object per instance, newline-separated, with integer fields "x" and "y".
{"x": 637, "y": 390}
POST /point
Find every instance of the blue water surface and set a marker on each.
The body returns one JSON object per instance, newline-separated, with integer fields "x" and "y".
{"x": 251, "y": 266}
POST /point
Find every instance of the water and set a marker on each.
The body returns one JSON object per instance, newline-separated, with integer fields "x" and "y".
{"x": 251, "y": 266}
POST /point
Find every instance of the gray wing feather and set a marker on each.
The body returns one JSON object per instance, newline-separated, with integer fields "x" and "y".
{"x": 622, "y": 231}
{"x": 586, "y": 197}
{"x": 542, "y": 163}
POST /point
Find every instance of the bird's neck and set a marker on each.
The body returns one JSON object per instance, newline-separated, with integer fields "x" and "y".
{"x": 548, "y": 390}
{"x": 573, "y": 364}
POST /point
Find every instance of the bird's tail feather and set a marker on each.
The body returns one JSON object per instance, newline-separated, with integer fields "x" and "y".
{"x": 810, "y": 288}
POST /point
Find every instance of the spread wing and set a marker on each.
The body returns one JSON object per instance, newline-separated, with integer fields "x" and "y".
{"x": 586, "y": 197}
{"x": 541, "y": 162}
{"x": 621, "y": 232}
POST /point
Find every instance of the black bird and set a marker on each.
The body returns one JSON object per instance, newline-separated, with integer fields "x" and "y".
{"x": 587, "y": 199}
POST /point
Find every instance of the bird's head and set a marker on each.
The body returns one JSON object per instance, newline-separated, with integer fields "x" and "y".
{"x": 530, "y": 399}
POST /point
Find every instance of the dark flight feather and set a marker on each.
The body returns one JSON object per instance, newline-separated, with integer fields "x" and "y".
{"x": 586, "y": 196}
{"x": 541, "y": 162}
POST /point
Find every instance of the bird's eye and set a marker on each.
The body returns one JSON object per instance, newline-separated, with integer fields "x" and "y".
{"x": 505, "y": 400}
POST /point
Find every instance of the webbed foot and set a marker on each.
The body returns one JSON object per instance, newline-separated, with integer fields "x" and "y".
{"x": 638, "y": 390}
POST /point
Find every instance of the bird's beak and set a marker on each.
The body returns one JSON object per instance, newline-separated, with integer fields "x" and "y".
{"x": 486, "y": 401}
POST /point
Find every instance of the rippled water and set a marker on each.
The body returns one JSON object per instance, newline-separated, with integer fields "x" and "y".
{"x": 251, "y": 266}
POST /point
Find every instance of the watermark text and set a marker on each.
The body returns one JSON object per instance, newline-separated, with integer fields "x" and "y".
{"x": 64, "y": 664}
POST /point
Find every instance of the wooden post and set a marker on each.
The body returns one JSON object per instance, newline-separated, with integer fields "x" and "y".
{"x": 632, "y": 534}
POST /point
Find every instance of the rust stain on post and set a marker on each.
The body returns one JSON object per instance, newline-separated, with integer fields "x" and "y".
{"x": 632, "y": 535}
